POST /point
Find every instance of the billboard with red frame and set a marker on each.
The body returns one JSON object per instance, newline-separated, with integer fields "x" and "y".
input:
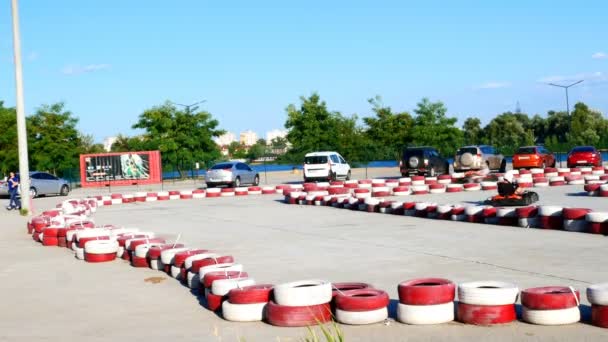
{"x": 120, "y": 168}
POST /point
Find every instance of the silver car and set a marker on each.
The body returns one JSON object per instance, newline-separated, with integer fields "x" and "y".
{"x": 43, "y": 183}
{"x": 232, "y": 174}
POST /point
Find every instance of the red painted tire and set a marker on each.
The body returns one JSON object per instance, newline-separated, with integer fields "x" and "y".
{"x": 454, "y": 189}
{"x": 551, "y": 222}
{"x": 165, "y": 198}
{"x": 599, "y": 316}
{"x": 362, "y": 300}
{"x": 213, "y": 276}
{"x": 297, "y": 316}
{"x": 527, "y": 212}
{"x": 489, "y": 212}
{"x": 84, "y": 240}
{"x": 214, "y": 302}
{"x": 173, "y": 192}
{"x": 250, "y": 294}
{"x": 557, "y": 183}
{"x": 458, "y": 210}
{"x": 154, "y": 252}
{"x": 197, "y": 264}
{"x": 381, "y": 194}
{"x": 486, "y": 314}
{"x": 139, "y": 262}
{"x": 341, "y": 287}
{"x": 549, "y": 298}
{"x": 89, "y": 257}
{"x": 61, "y": 242}
{"x": 227, "y": 190}
{"x": 50, "y": 241}
{"x": 179, "y": 258}
{"x": 426, "y": 291}
{"x": 51, "y": 231}
{"x": 116, "y": 196}
{"x": 361, "y": 191}
{"x": 575, "y": 213}
{"x": 592, "y": 187}
{"x": 123, "y": 239}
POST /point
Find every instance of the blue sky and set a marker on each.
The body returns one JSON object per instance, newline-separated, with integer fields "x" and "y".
{"x": 109, "y": 60}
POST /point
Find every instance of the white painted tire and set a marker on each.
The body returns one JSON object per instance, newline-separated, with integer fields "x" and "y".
{"x": 221, "y": 287}
{"x": 487, "y": 293}
{"x": 597, "y": 217}
{"x": 243, "y": 312}
{"x": 175, "y": 271}
{"x": 578, "y": 226}
{"x": 425, "y": 314}
{"x": 361, "y": 317}
{"x": 598, "y": 294}
{"x": 141, "y": 251}
{"x": 192, "y": 280}
{"x": 303, "y": 293}
{"x": 529, "y": 222}
{"x": 444, "y": 209}
{"x": 156, "y": 264}
{"x": 119, "y": 252}
{"x": 79, "y": 253}
{"x": 506, "y": 212}
{"x": 101, "y": 247}
{"x": 473, "y": 210}
{"x": 551, "y": 317}
{"x": 167, "y": 255}
{"x": 549, "y": 210}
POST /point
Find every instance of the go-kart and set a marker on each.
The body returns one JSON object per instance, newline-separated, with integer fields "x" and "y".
{"x": 527, "y": 198}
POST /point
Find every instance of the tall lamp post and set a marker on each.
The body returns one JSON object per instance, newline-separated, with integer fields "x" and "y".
{"x": 24, "y": 172}
{"x": 566, "y": 87}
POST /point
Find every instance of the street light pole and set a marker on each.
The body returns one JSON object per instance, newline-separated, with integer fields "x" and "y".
{"x": 566, "y": 87}
{"x": 24, "y": 172}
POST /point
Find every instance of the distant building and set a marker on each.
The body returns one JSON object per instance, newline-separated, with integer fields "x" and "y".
{"x": 108, "y": 142}
{"x": 248, "y": 138}
{"x": 225, "y": 139}
{"x": 275, "y": 133}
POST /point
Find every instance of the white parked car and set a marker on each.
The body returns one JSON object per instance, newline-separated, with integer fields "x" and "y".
{"x": 325, "y": 166}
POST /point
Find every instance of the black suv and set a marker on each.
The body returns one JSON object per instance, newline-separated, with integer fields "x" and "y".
{"x": 423, "y": 161}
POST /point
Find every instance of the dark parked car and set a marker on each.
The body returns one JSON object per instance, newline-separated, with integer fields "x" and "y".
{"x": 584, "y": 156}
{"x": 423, "y": 161}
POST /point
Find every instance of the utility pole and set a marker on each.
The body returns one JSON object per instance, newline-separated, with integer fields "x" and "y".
{"x": 566, "y": 88}
{"x": 24, "y": 170}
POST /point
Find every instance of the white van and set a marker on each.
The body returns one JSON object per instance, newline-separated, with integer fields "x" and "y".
{"x": 325, "y": 166}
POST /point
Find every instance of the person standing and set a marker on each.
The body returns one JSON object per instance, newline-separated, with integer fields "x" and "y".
{"x": 13, "y": 187}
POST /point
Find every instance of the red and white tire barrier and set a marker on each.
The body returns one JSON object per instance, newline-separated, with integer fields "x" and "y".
{"x": 297, "y": 316}
{"x": 527, "y": 217}
{"x": 474, "y": 213}
{"x": 454, "y": 188}
{"x": 487, "y": 186}
{"x": 419, "y": 189}
{"x": 598, "y": 222}
{"x": 507, "y": 216}
{"x": 227, "y": 192}
{"x": 551, "y": 305}
{"x": 458, "y": 213}
{"x": 426, "y": 301}
{"x": 100, "y": 250}
{"x": 166, "y": 258}
{"x": 597, "y": 295}
{"x": 487, "y": 302}
{"x": 472, "y": 187}
{"x": 550, "y": 217}
{"x": 362, "y": 306}
{"x": 213, "y": 192}
{"x": 300, "y": 303}
{"x": 575, "y": 219}
{"x": 246, "y": 304}
{"x": 437, "y": 188}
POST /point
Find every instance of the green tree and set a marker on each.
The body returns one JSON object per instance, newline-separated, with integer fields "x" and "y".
{"x": 388, "y": 131}
{"x": 279, "y": 143}
{"x": 236, "y": 150}
{"x": 88, "y": 145}
{"x": 312, "y": 127}
{"x": 183, "y": 137}
{"x": 257, "y": 150}
{"x": 124, "y": 143}
{"x": 433, "y": 128}
{"x": 54, "y": 142}
{"x": 508, "y": 132}
{"x": 9, "y": 160}
{"x": 585, "y": 126}
{"x": 472, "y": 131}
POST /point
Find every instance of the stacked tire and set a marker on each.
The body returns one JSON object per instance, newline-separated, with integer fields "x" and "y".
{"x": 597, "y": 295}
{"x": 426, "y": 301}
{"x": 247, "y": 304}
{"x": 361, "y": 306}
{"x": 301, "y": 303}
{"x": 550, "y": 305}
{"x": 487, "y": 302}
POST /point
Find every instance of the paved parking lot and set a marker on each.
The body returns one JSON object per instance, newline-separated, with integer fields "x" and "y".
{"x": 60, "y": 297}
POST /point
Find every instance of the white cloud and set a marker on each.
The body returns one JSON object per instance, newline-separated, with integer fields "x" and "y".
{"x": 597, "y": 76}
{"x": 494, "y": 85}
{"x": 78, "y": 69}
{"x": 599, "y": 55}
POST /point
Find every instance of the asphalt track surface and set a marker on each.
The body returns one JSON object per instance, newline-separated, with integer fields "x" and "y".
{"x": 48, "y": 295}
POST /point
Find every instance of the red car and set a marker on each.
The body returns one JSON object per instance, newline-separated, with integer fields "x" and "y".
{"x": 584, "y": 156}
{"x": 533, "y": 157}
